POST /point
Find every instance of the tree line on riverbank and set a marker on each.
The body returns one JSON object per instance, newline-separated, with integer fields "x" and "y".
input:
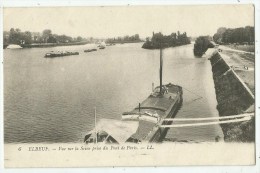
{"x": 240, "y": 35}
{"x": 235, "y": 36}
{"x": 16, "y": 36}
{"x": 126, "y": 39}
{"x": 159, "y": 40}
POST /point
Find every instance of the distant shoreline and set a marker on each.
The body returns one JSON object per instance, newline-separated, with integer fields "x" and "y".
{"x": 43, "y": 45}
{"x": 151, "y": 47}
{"x": 123, "y": 42}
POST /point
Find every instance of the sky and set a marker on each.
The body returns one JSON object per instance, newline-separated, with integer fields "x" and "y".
{"x": 108, "y": 22}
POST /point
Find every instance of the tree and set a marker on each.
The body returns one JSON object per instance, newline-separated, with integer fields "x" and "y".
{"x": 17, "y": 30}
{"x": 27, "y": 37}
{"x": 51, "y": 39}
{"x": 63, "y": 38}
{"x": 5, "y": 37}
{"x": 126, "y": 38}
{"x": 218, "y": 36}
{"x": 236, "y": 35}
{"x": 178, "y": 33}
{"x": 46, "y": 34}
{"x": 201, "y": 45}
{"x": 15, "y": 36}
{"x": 159, "y": 40}
{"x": 136, "y": 36}
{"x": 79, "y": 39}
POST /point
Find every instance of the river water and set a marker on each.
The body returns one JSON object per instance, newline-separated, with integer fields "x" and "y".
{"x": 52, "y": 100}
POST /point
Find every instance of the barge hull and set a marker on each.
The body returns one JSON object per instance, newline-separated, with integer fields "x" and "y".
{"x": 158, "y": 134}
{"x": 157, "y": 107}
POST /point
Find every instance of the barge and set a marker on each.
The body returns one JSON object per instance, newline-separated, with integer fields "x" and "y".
{"x": 102, "y": 47}
{"x": 53, "y": 54}
{"x": 90, "y": 50}
{"x": 161, "y": 104}
{"x": 143, "y": 123}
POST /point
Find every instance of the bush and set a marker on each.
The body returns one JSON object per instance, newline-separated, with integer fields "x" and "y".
{"x": 201, "y": 45}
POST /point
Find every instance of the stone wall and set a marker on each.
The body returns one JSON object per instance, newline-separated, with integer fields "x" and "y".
{"x": 233, "y": 97}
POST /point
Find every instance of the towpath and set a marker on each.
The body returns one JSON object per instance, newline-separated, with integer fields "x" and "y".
{"x": 234, "y": 50}
{"x": 243, "y": 63}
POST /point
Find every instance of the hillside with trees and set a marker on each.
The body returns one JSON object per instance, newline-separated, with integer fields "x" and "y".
{"x": 159, "y": 40}
{"x": 241, "y": 35}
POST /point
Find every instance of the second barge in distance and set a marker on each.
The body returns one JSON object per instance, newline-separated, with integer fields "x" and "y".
{"x": 53, "y": 54}
{"x": 90, "y": 50}
{"x": 162, "y": 103}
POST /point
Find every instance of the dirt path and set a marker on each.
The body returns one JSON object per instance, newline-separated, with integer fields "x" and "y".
{"x": 234, "y": 50}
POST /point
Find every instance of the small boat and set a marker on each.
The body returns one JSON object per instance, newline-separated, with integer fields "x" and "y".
{"x": 53, "y": 54}
{"x": 111, "y": 44}
{"x": 110, "y": 131}
{"x": 90, "y": 50}
{"x": 102, "y": 45}
{"x": 13, "y": 46}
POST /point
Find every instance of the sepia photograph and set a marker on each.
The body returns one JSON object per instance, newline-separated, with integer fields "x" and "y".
{"x": 161, "y": 85}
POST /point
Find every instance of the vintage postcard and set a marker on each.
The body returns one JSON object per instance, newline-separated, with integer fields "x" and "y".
{"x": 161, "y": 85}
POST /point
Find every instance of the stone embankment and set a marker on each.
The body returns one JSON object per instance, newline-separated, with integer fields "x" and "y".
{"x": 233, "y": 97}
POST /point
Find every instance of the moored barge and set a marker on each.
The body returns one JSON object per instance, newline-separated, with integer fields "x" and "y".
{"x": 90, "y": 50}
{"x": 152, "y": 111}
{"x": 53, "y": 54}
{"x": 163, "y": 103}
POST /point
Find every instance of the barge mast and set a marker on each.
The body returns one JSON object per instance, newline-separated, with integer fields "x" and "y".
{"x": 161, "y": 64}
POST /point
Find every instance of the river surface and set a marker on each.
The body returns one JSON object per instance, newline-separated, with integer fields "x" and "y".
{"x": 49, "y": 100}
